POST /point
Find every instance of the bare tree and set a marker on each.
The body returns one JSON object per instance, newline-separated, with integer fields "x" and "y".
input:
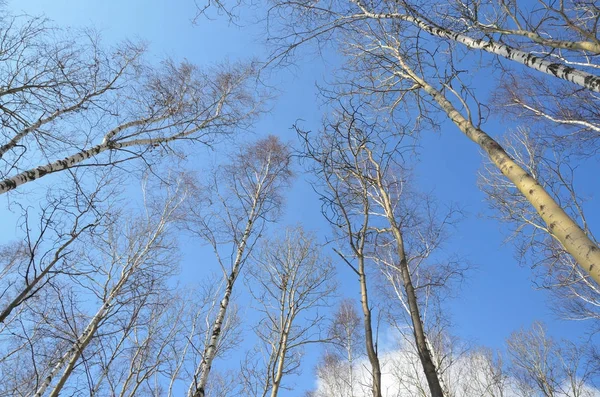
{"x": 423, "y": 19}
{"x": 546, "y": 367}
{"x": 52, "y": 232}
{"x": 133, "y": 265}
{"x": 242, "y": 197}
{"x": 544, "y": 25}
{"x": 562, "y": 32}
{"x": 562, "y": 227}
{"x": 290, "y": 281}
{"x": 69, "y": 103}
{"x": 141, "y": 359}
{"x": 566, "y": 119}
{"x": 338, "y": 370}
{"x": 367, "y": 164}
{"x": 578, "y": 297}
{"x": 455, "y": 23}
{"x": 347, "y": 207}
{"x": 376, "y": 161}
{"x": 484, "y": 373}
{"x": 388, "y": 64}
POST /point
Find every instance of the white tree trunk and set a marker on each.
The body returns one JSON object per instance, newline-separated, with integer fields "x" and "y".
{"x": 563, "y": 228}
{"x": 579, "y": 77}
{"x": 73, "y": 354}
{"x": 71, "y": 161}
{"x": 71, "y": 357}
{"x": 281, "y": 360}
{"x": 197, "y": 388}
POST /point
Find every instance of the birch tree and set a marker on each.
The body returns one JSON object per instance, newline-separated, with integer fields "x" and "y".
{"x": 243, "y": 196}
{"x": 339, "y": 368}
{"x": 566, "y": 32}
{"x": 548, "y": 367}
{"x": 577, "y": 296}
{"x": 585, "y": 27}
{"x": 375, "y": 161}
{"x": 347, "y": 207}
{"x": 290, "y": 281}
{"x": 68, "y": 102}
{"x": 134, "y": 264}
{"x": 38, "y": 271}
{"x": 52, "y": 235}
{"x": 142, "y": 358}
{"x": 561, "y": 226}
{"x": 483, "y": 374}
{"x": 544, "y": 24}
{"x": 455, "y": 23}
{"x": 389, "y": 64}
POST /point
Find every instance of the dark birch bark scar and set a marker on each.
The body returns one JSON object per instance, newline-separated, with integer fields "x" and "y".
{"x": 559, "y": 223}
{"x": 568, "y": 73}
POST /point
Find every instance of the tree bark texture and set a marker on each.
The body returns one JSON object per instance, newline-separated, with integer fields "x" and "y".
{"x": 560, "y": 224}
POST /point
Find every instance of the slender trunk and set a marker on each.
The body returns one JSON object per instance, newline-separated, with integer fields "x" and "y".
{"x": 198, "y": 386}
{"x": 197, "y": 389}
{"x": 280, "y": 363}
{"x": 371, "y": 349}
{"x": 71, "y": 357}
{"x": 73, "y": 160}
{"x": 14, "y": 141}
{"x": 285, "y": 323}
{"x": 350, "y": 364}
{"x": 425, "y": 355}
{"x": 562, "y": 227}
{"x": 74, "y": 353}
{"x": 77, "y": 350}
{"x": 579, "y": 77}
{"x": 535, "y": 37}
{"x": 25, "y": 293}
{"x": 17, "y": 300}
{"x": 59, "y": 165}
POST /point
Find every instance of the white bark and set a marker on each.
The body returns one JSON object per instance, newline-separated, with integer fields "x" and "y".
{"x": 425, "y": 354}
{"x": 562, "y": 227}
{"x": 72, "y": 356}
{"x": 579, "y": 77}
{"x": 73, "y": 160}
{"x": 262, "y": 180}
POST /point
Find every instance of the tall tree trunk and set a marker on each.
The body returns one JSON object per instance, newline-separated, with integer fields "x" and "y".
{"x": 579, "y": 77}
{"x": 197, "y": 388}
{"x": 74, "y": 353}
{"x": 367, "y": 321}
{"x": 350, "y": 370}
{"x": 425, "y": 355}
{"x": 77, "y": 350}
{"x": 560, "y": 224}
{"x": 73, "y": 160}
{"x": 254, "y": 178}
{"x": 14, "y": 141}
{"x": 280, "y": 361}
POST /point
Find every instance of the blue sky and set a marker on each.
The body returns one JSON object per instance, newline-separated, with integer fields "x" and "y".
{"x": 497, "y": 298}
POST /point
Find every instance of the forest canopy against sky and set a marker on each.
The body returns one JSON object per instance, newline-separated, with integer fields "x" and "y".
{"x": 294, "y": 198}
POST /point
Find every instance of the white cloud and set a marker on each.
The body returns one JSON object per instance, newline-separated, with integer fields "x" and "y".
{"x": 471, "y": 374}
